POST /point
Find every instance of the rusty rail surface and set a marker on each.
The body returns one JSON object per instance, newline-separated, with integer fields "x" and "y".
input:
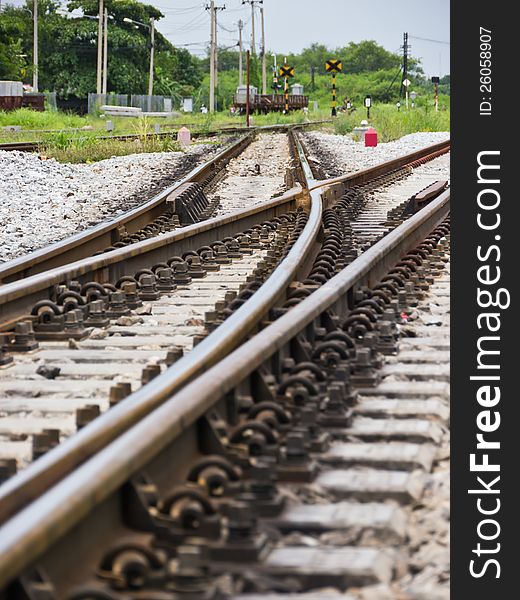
{"x": 101, "y": 236}
{"x": 19, "y": 296}
{"x": 50, "y": 468}
{"x": 89, "y": 500}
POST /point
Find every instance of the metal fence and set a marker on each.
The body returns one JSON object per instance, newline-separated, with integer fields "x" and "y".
{"x": 144, "y": 102}
{"x": 50, "y": 101}
{"x": 97, "y": 100}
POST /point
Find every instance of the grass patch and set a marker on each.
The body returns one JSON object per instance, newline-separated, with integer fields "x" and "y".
{"x": 85, "y": 149}
{"x": 85, "y": 146}
{"x": 32, "y": 119}
{"x": 392, "y": 124}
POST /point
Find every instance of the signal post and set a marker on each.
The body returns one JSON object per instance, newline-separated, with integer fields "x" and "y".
{"x": 286, "y": 71}
{"x": 334, "y": 66}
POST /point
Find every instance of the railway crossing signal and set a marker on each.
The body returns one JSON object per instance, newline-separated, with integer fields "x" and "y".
{"x": 286, "y": 71}
{"x": 334, "y": 65}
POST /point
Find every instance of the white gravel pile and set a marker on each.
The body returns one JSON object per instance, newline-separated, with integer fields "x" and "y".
{"x": 44, "y": 201}
{"x": 340, "y": 154}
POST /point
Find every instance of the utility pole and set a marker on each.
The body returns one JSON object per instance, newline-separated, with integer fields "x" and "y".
{"x": 212, "y": 58}
{"x": 253, "y": 45}
{"x": 264, "y": 68}
{"x": 213, "y": 53}
{"x": 248, "y": 82}
{"x": 100, "y": 48}
{"x": 105, "y": 51}
{"x": 253, "y": 41}
{"x": 35, "y": 46}
{"x": 152, "y": 47}
{"x": 406, "y": 48}
{"x": 240, "y": 27}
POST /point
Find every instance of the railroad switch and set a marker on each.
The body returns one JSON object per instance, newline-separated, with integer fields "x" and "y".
{"x": 119, "y": 392}
{"x": 8, "y": 468}
{"x": 180, "y": 269}
{"x": 86, "y": 414}
{"x": 243, "y": 542}
{"x": 22, "y": 339}
{"x": 149, "y": 373}
{"x": 129, "y": 288}
{"x": 117, "y": 305}
{"x": 147, "y": 288}
{"x": 5, "y": 359}
{"x": 294, "y": 464}
{"x": 96, "y": 315}
{"x": 44, "y": 441}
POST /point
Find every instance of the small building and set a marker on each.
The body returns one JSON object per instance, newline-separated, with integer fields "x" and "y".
{"x": 241, "y": 95}
{"x": 297, "y": 89}
{"x": 11, "y": 95}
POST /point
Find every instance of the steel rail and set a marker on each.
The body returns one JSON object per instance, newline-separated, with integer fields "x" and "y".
{"x": 54, "y": 465}
{"x": 35, "y": 529}
{"x": 15, "y": 492}
{"x": 18, "y": 297}
{"x": 364, "y": 175}
{"x": 32, "y": 146}
{"x": 100, "y": 236}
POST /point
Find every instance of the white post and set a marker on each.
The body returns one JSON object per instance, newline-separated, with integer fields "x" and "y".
{"x": 152, "y": 45}
{"x": 35, "y": 46}
{"x": 406, "y": 97}
{"x": 105, "y": 51}
{"x": 212, "y": 59}
{"x": 264, "y": 69}
{"x": 99, "y": 48}
{"x": 215, "y": 42}
{"x": 240, "y": 69}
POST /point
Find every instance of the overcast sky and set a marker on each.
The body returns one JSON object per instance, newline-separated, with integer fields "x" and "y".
{"x": 294, "y": 24}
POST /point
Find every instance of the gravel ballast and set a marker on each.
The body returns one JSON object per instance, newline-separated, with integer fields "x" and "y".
{"x": 257, "y": 174}
{"x": 340, "y": 154}
{"x": 44, "y": 201}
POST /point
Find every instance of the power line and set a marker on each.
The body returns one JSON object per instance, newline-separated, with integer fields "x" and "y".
{"x": 429, "y": 40}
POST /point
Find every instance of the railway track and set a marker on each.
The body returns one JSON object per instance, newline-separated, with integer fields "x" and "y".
{"x": 189, "y": 200}
{"x": 34, "y": 146}
{"x": 283, "y": 384}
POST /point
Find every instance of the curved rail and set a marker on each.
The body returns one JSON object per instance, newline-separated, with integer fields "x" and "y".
{"x": 36, "y": 528}
{"x": 56, "y": 464}
{"x": 53, "y": 466}
{"x": 101, "y": 236}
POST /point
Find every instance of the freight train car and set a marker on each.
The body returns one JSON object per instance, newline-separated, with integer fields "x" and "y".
{"x": 264, "y": 103}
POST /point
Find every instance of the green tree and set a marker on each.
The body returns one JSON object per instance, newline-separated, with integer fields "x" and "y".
{"x": 68, "y": 56}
